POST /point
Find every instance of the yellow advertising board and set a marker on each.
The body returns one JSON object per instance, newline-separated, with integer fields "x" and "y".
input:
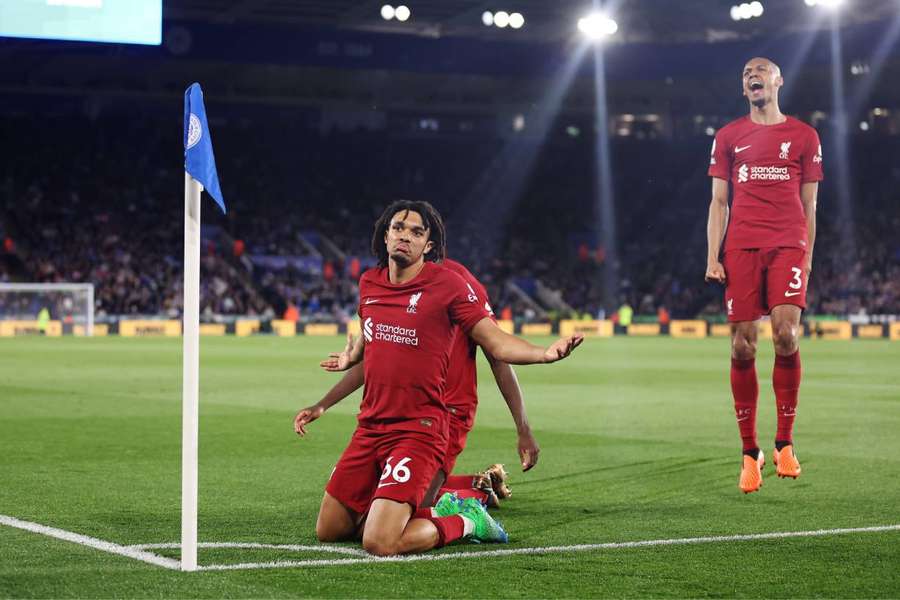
{"x": 591, "y": 328}
{"x": 895, "y": 331}
{"x": 245, "y": 327}
{"x": 138, "y": 328}
{"x": 100, "y": 330}
{"x": 537, "y": 329}
{"x": 687, "y": 329}
{"x": 765, "y": 330}
{"x": 643, "y": 329}
{"x": 327, "y": 328}
{"x": 720, "y": 330}
{"x": 14, "y": 328}
{"x": 214, "y": 329}
{"x": 353, "y": 327}
{"x": 870, "y": 331}
{"x": 832, "y": 330}
{"x": 284, "y": 328}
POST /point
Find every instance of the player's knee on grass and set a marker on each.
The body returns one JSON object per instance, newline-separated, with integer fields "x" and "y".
{"x": 380, "y": 545}
{"x": 333, "y": 531}
{"x": 335, "y": 523}
{"x": 385, "y": 524}
{"x": 382, "y": 541}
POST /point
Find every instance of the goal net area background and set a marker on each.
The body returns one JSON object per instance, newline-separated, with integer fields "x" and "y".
{"x": 51, "y": 309}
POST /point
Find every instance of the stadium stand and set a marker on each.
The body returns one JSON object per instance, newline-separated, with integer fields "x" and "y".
{"x": 298, "y": 231}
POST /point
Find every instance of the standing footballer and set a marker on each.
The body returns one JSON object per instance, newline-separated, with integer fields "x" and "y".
{"x": 774, "y": 163}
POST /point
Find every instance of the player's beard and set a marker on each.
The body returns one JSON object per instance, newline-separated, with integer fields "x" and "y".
{"x": 402, "y": 260}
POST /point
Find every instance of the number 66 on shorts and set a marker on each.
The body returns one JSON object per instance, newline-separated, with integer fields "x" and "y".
{"x": 399, "y": 472}
{"x": 396, "y": 465}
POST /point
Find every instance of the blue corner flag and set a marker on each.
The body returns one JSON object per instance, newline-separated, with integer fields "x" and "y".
{"x": 199, "y": 160}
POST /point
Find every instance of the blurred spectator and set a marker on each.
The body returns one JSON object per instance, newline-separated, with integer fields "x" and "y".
{"x": 300, "y": 236}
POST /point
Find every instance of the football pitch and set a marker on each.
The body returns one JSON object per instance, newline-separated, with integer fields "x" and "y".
{"x": 635, "y": 493}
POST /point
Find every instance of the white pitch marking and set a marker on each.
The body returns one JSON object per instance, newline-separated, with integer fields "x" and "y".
{"x": 255, "y": 546}
{"x": 68, "y": 536}
{"x": 137, "y": 552}
{"x": 551, "y": 549}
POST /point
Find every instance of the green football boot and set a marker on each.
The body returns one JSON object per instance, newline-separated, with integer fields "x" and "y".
{"x": 486, "y": 528}
{"x": 448, "y": 504}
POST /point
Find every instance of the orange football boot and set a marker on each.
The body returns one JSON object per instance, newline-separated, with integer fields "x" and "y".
{"x": 786, "y": 463}
{"x": 751, "y": 473}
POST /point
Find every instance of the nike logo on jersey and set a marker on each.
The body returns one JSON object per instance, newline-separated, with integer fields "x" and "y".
{"x": 381, "y": 485}
{"x": 739, "y": 149}
{"x": 371, "y": 300}
{"x": 789, "y": 294}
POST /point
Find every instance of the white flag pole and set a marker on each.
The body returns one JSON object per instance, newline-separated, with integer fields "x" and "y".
{"x": 191, "y": 373}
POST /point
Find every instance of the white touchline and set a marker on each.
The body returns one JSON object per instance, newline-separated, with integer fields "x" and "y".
{"x": 258, "y": 546}
{"x": 112, "y": 548}
{"x": 138, "y": 551}
{"x": 551, "y": 549}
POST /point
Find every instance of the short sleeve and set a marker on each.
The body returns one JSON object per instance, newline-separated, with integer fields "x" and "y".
{"x": 720, "y": 158}
{"x": 466, "y": 308}
{"x": 363, "y": 290}
{"x": 811, "y": 164}
{"x": 483, "y": 297}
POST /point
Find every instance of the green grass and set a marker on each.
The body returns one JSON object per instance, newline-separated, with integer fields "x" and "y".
{"x": 638, "y": 442}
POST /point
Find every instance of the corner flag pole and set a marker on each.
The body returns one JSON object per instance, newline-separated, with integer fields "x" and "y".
{"x": 199, "y": 173}
{"x": 190, "y": 391}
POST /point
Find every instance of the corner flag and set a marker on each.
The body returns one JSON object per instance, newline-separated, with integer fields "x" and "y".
{"x": 199, "y": 172}
{"x": 199, "y": 159}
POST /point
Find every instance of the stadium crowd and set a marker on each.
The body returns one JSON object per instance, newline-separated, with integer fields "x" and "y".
{"x": 93, "y": 206}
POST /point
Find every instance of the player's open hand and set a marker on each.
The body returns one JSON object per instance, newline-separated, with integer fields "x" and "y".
{"x": 528, "y": 450}
{"x": 305, "y": 417}
{"x": 562, "y": 347}
{"x": 339, "y": 361}
{"x": 715, "y": 272}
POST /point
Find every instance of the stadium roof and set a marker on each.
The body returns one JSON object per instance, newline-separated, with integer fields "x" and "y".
{"x": 667, "y": 21}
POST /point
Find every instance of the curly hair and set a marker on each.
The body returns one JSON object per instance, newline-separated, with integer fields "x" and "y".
{"x": 431, "y": 219}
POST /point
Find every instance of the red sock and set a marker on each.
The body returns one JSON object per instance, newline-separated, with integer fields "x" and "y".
{"x": 745, "y": 389}
{"x": 786, "y": 381}
{"x": 458, "y": 482}
{"x": 466, "y": 493}
{"x": 449, "y": 529}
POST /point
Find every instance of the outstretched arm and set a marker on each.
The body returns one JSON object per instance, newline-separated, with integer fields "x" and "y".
{"x": 514, "y": 350}
{"x": 508, "y": 384}
{"x": 351, "y": 355}
{"x": 349, "y": 383}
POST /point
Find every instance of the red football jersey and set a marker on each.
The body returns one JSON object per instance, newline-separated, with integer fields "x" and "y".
{"x": 766, "y": 165}
{"x": 408, "y": 330}
{"x": 461, "y": 393}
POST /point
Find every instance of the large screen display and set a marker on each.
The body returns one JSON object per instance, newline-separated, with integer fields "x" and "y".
{"x": 114, "y": 21}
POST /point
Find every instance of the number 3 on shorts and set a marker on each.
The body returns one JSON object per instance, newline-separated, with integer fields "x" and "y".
{"x": 796, "y": 283}
{"x": 399, "y": 472}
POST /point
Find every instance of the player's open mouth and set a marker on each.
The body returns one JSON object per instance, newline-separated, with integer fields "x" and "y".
{"x": 756, "y": 85}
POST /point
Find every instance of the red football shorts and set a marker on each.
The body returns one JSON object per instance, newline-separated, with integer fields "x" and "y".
{"x": 456, "y": 442}
{"x": 392, "y": 464}
{"x": 760, "y": 279}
